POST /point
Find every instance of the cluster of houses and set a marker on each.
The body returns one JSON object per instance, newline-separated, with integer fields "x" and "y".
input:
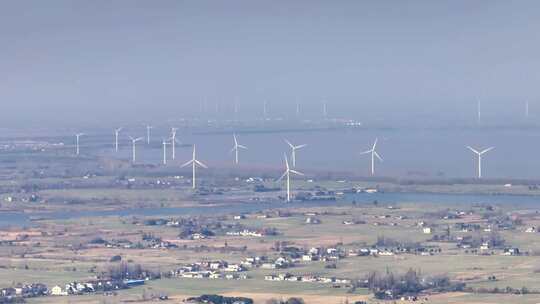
{"x": 230, "y": 271}
{"x": 78, "y": 288}
{"x": 531, "y": 229}
{"x": 127, "y": 244}
{"x": 247, "y": 233}
{"x": 307, "y": 279}
{"x": 11, "y": 294}
{"x": 24, "y": 291}
{"x": 325, "y": 255}
{"x": 211, "y": 270}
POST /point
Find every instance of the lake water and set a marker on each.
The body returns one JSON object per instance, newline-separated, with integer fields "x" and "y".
{"x": 21, "y": 219}
{"x": 406, "y": 152}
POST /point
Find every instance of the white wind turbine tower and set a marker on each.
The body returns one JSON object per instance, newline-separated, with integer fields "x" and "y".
{"x": 78, "y": 136}
{"x": 479, "y": 154}
{"x": 148, "y": 128}
{"x": 374, "y": 155}
{"x": 293, "y": 151}
{"x": 265, "y": 110}
{"x": 173, "y": 142}
{"x": 325, "y": 110}
{"x": 287, "y": 174}
{"x": 194, "y": 162}
{"x": 236, "y": 148}
{"x": 165, "y": 143}
{"x": 116, "y": 134}
{"x": 133, "y": 146}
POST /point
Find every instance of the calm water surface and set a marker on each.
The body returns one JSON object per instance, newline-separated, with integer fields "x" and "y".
{"x": 21, "y": 219}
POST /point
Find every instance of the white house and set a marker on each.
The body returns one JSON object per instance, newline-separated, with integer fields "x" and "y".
{"x": 57, "y": 291}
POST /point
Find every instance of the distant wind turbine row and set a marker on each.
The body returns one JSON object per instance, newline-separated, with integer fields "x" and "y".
{"x": 195, "y": 163}
{"x": 266, "y": 110}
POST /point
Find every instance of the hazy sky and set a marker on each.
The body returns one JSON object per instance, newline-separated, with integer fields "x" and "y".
{"x": 149, "y": 60}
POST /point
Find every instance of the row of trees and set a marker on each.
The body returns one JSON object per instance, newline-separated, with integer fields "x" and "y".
{"x": 389, "y": 285}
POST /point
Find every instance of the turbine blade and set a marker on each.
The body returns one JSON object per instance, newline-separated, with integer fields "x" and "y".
{"x": 296, "y": 172}
{"x": 283, "y": 176}
{"x": 487, "y": 150}
{"x": 289, "y": 143}
{"x": 187, "y": 164}
{"x": 201, "y": 164}
{"x": 242, "y": 147}
{"x": 366, "y": 152}
{"x": 377, "y": 155}
{"x": 300, "y": 146}
{"x": 474, "y": 151}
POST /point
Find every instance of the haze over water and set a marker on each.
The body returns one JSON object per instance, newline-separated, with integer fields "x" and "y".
{"x": 416, "y": 67}
{"x": 399, "y": 62}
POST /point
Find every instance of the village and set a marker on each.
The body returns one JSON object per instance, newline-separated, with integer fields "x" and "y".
{"x": 475, "y": 231}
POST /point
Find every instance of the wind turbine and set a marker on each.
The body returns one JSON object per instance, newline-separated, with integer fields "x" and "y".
{"x": 165, "y": 143}
{"x": 133, "y": 144}
{"x": 374, "y": 155}
{"x": 293, "y": 151}
{"x": 325, "y": 110}
{"x": 148, "y": 128}
{"x": 526, "y": 109}
{"x": 236, "y": 148}
{"x": 265, "y": 109}
{"x": 194, "y": 162}
{"x": 78, "y": 135}
{"x": 479, "y": 154}
{"x": 173, "y": 142}
{"x": 287, "y": 174}
{"x": 116, "y": 134}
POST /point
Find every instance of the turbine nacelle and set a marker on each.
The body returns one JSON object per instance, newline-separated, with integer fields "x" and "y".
{"x": 480, "y": 152}
{"x": 134, "y": 140}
